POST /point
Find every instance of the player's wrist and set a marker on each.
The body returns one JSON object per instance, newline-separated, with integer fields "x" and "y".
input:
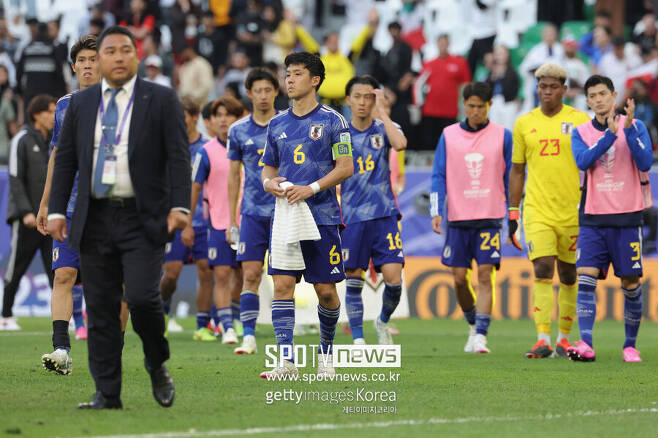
{"x": 514, "y": 213}
{"x": 315, "y": 186}
{"x": 265, "y": 181}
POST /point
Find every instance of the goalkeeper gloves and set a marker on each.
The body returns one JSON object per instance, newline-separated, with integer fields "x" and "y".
{"x": 514, "y": 227}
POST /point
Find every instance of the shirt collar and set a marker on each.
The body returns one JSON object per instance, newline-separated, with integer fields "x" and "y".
{"x": 600, "y": 126}
{"x": 466, "y": 127}
{"x": 128, "y": 86}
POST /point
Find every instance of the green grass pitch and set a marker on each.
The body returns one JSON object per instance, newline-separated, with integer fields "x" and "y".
{"x": 441, "y": 390}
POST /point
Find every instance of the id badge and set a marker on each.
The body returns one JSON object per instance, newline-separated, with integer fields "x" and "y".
{"x": 110, "y": 170}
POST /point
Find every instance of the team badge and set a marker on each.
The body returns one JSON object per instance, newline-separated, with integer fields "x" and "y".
{"x": 447, "y": 252}
{"x": 212, "y": 253}
{"x": 567, "y": 128}
{"x": 377, "y": 141}
{"x": 346, "y": 254}
{"x": 55, "y": 254}
{"x": 316, "y": 131}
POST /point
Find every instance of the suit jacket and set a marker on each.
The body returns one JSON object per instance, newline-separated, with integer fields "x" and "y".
{"x": 158, "y": 158}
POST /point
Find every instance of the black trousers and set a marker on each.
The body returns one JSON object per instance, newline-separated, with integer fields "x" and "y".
{"x": 24, "y": 244}
{"x": 115, "y": 251}
{"x": 479, "y": 48}
{"x": 432, "y": 128}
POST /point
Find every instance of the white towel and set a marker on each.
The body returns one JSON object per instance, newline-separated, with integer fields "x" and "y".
{"x": 292, "y": 224}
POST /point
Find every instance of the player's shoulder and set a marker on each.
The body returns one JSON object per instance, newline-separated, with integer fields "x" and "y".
{"x": 279, "y": 117}
{"x": 333, "y": 115}
{"x": 575, "y": 115}
{"x": 240, "y": 124}
{"x": 63, "y": 102}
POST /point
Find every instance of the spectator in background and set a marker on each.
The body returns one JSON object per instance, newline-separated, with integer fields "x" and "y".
{"x": 91, "y": 19}
{"x": 577, "y": 74}
{"x": 437, "y": 91}
{"x": 237, "y": 73}
{"x": 96, "y": 26}
{"x": 8, "y": 43}
{"x": 279, "y": 37}
{"x": 212, "y": 42}
{"x": 61, "y": 47}
{"x": 195, "y": 76}
{"x": 398, "y": 58}
{"x": 153, "y": 65}
{"x": 549, "y": 50}
{"x": 616, "y": 64}
{"x": 139, "y": 22}
{"x": 366, "y": 59}
{"x": 40, "y": 69}
{"x": 338, "y": 71}
{"x": 221, "y": 9}
{"x": 179, "y": 16}
{"x": 644, "y": 34}
{"x": 602, "y": 18}
{"x": 8, "y": 125}
{"x": 504, "y": 82}
{"x": 645, "y": 109}
{"x": 483, "y": 23}
{"x": 601, "y": 44}
{"x": 249, "y": 28}
{"x": 151, "y": 46}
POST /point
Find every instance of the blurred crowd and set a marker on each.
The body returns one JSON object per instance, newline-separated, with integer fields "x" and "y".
{"x": 205, "y": 48}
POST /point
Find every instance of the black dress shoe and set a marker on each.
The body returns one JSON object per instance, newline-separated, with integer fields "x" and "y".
{"x": 163, "y": 385}
{"x": 101, "y": 402}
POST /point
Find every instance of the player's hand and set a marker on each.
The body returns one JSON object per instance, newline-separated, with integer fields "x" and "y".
{"x": 436, "y": 224}
{"x": 514, "y": 229}
{"x": 272, "y": 187}
{"x": 29, "y": 220}
{"x": 380, "y": 103}
{"x": 630, "y": 112}
{"x": 613, "y": 122}
{"x": 298, "y": 193}
{"x": 57, "y": 229}
{"x": 400, "y": 184}
{"x": 187, "y": 236}
{"x": 42, "y": 220}
{"x": 176, "y": 220}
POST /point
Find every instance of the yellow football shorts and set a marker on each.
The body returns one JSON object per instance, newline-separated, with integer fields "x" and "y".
{"x": 547, "y": 240}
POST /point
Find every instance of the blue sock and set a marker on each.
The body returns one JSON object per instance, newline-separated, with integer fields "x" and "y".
{"x": 482, "y": 321}
{"x": 167, "y": 307}
{"x": 470, "y": 316}
{"x": 213, "y": 313}
{"x": 249, "y": 304}
{"x": 390, "y": 300}
{"x": 354, "y": 306}
{"x": 235, "y": 310}
{"x": 283, "y": 320}
{"x": 328, "y": 320}
{"x": 632, "y": 314}
{"x": 586, "y": 307}
{"x": 77, "y": 307}
{"x": 202, "y": 319}
{"x": 225, "y": 318}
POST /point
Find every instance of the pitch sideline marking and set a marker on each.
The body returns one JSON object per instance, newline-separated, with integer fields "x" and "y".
{"x": 192, "y": 433}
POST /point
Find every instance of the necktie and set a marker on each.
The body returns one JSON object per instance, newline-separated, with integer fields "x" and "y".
{"x": 106, "y": 147}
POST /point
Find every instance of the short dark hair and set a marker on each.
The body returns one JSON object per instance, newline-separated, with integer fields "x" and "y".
{"x": 260, "y": 74}
{"x": 479, "y": 89}
{"x": 190, "y": 106}
{"x": 362, "y": 79}
{"x": 232, "y": 105}
{"x": 206, "y": 111}
{"x": 116, "y": 30}
{"x": 39, "y": 104}
{"x": 599, "y": 79}
{"x": 394, "y": 25}
{"x": 618, "y": 41}
{"x": 602, "y": 13}
{"x": 87, "y": 42}
{"x": 311, "y": 62}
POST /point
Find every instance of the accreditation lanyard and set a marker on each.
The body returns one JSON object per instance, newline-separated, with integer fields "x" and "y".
{"x": 109, "y": 147}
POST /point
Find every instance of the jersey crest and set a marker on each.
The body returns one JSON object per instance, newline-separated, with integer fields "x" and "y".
{"x": 316, "y": 131}
{"x": 377, "y": 141}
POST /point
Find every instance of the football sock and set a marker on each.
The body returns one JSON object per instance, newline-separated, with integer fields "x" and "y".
{"x": 202, "y": 319}
{"x": 235, "y": 310}
{"x": 586, "y": 307}
{"x": 225, "y": 316}
{"x": 390, "y": 300}
{"x": 328, "y": 320}
{"x": 543, "y": 305}
{"x": 470, "y": 316}
{"x": 566, "y": 301}
{"x": 77, "y": 306}
{"x": 249, "y": 304}
{"x": 632, "y": 314}
{"x": 354, "y": 306}
{"x": 213, "y": 314}
{"x": 283, "y": 320}
{"x": 61, "y": 337}
{"x": 482, "y": 321}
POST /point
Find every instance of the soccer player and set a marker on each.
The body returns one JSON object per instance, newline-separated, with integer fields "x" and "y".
{"x": 471, "y": 168}
{"x": 369, "y": 207}
{"x": 67, "y": 300}
{"x": 246, "y": 143}
{"x": 612, "y": 150}
{"x": 191, "y": 244}
{"x": 309, "y": 146}
{"x": 211, "y": 169}
{"x": 542, "y": 142}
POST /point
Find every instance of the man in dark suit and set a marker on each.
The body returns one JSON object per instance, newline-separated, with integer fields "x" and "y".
{"x": 127, "y": 139}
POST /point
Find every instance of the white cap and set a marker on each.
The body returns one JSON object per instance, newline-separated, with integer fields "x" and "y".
{"x": 153, "y": 61}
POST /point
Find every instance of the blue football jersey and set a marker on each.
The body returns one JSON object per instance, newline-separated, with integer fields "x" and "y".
{"x": 246, "y": 143}
{"x": 368, "y": 193}
{"x": 60, "y": 112}
{"x": 303, "y": 149}
{"x": 198, "y": 220}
